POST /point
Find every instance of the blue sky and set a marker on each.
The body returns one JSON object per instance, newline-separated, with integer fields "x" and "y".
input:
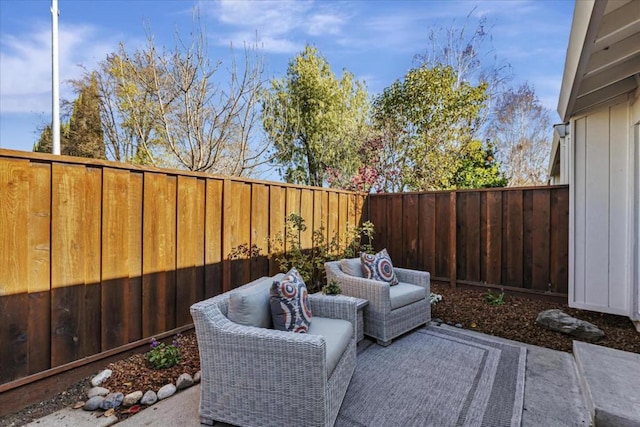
{"x": 375, "y": 40}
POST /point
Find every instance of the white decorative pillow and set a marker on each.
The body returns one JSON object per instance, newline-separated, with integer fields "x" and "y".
{"x": 379, "y": 267}
{"x": 290, "y": 306}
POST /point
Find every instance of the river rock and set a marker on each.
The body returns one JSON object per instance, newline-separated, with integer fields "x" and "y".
{"x": 184, "y": 381}
{"x": 97, "y": 391}
{"x": 558, "y": 320}
{"x": 196, "y": 377}
{"x": 112, "y": 400}
{"x": 132, "y": 398}
{"x": 166, "y": 391}
{"x": 99, "y": 379}
{"x": 149, "y": 398}
{"x": 93, "y": 403}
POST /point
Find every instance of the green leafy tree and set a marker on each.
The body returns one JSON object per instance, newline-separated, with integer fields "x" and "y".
{"x": 431, "y": 119}
{"x": 315, "y": 120}
{"x": 80, "y": 135}
{"x": 479, "y": 168}
{"x": 84, "y": 136}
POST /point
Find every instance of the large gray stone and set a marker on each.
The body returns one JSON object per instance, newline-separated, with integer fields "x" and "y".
{"x": 98, "y": 379}
{"x": 149, "y": 398}
{"x": 185, "y": 380}
{"x": 166, "y": 391}
{"x": 558, "y": 320}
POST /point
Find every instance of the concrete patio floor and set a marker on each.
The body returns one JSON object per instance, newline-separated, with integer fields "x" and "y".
{"x": 552, "y": 397}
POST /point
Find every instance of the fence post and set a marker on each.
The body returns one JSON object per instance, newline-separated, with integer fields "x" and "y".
{"x": 453, "y": 270}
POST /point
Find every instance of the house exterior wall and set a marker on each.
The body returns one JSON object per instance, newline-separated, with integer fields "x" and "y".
{"x": 602, "y": 221}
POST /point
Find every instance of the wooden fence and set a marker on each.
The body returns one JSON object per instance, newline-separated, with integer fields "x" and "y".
{"x": 95, "y": 254}
{"x": 516, "y": 238}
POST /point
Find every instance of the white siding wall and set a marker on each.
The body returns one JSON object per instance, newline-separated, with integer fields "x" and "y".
{"x": 601, "y": 212}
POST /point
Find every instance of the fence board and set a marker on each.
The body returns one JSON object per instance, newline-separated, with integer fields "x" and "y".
{"x": 14, "y": 274}
{"x": 237, "y": 225}
{"x": 443, "y": 208}
{"x": 410, "y": 230}
{"x": 190, "y": 247}
{"x": 39, "y": 283}
{"x": 115, "y": 258}
{"x": 306, "y": 212}
{"x": 395, "y": 242}
{"x": 158, "y": 282}
{"x": 260, "y": 229}
{"x": 134, "y": 298}
{"x": 527, "y": 239}
{"x": 332, "y": 219}
{"x": 493, "y": 239}
{"x": 427, "y": 232}
{"x": 343, "y": 219}
{"x": 512, "y": 269}
{"x": 213, "y": 238}
{"x": 277, "y": 205}
{"x": 540, "y": 240}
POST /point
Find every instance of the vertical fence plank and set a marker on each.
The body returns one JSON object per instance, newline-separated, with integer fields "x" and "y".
{"x": 395, "y": 243}
{"x": 213, "y": 238}
{"x": 237, "y": 224}
{"x": 541, "y": 208}
{"x": 115, "y": 258}
{"x": 343, "y": 218}
{"x": 306, "y": 211}
{"x": 159, "y": 224}
{"x": 462, "y": 230}
{"x": 189, "y": 245}
{"x": 260, "y": 229}
{"x": 443, "y": 235}
{"x": 333, "y": 220}
{"x": 559, "y": 244}
{"x": 39, "y": 335}
{"x": 134, "y": 299}
{"x": 427, "y": 235}
{"x": 493, "y": 239}
{"x": 527, "y": 238}
{"x": 76, "y": 205}
{"x": 319, "y": 221}
{"x": 512, "y": 268}
{"x": 410, "y": 230}
{"x": 472, "y": 248}
{"x": 277, "y": 201}
{"x": 14, "y": 273}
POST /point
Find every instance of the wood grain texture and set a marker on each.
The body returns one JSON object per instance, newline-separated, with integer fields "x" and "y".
{"x": 213, "y": 238}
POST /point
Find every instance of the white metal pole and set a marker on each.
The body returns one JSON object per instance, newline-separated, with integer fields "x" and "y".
{"x": 55, "y": 126}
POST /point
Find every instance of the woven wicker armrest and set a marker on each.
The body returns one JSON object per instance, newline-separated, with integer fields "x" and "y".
{"x": 415, "y": 277}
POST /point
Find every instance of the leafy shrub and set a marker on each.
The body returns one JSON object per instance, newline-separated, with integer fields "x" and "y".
{"x": 331, "y": 288}
{"x": 494, "y": 298}
{"x": 435, "y": 298}
{"x": 162, "y": 356}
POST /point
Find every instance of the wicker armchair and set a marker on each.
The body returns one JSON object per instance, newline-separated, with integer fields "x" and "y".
{"x": 254, "y": 376}
{"x": 391, "y": 311}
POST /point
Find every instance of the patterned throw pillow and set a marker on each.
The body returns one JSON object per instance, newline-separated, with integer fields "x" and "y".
{"x": 289, "y": 300}
{"x": 379, "y": 267}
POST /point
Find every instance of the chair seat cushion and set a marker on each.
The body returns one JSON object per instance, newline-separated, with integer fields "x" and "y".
{"x": 249, "y": 305}
{"x": 337, "y": 333}
{"x": 405, "y": 293}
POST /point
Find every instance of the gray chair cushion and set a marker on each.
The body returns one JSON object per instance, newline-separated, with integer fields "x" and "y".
{"x": 337, "y": 333}
{"x": 249, "y": 306}
{"x": 352, "y": 267}
{"x": 405, "y": 293}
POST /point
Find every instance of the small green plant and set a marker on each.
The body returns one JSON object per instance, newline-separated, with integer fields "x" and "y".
{"x": 435, "y": 298}
{"x": 494, "y": 298}
{"x": 331, "y": 288}
{"x": 288, "y": 252}
{"x": 162, "y": 356}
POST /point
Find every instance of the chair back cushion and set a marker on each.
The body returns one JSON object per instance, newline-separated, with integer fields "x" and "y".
{"x": 249, "y": 305}
{"x": 379, "y": 267}
{"x": 352, "y": 267}
{"x": 290, "y": 306}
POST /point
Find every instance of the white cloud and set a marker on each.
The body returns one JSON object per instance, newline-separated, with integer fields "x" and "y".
{"x": 280, "y": 25}
{"x": 25, "y": 65}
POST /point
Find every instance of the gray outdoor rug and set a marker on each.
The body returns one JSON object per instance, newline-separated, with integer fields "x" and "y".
{"x": 436, "y": 377}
